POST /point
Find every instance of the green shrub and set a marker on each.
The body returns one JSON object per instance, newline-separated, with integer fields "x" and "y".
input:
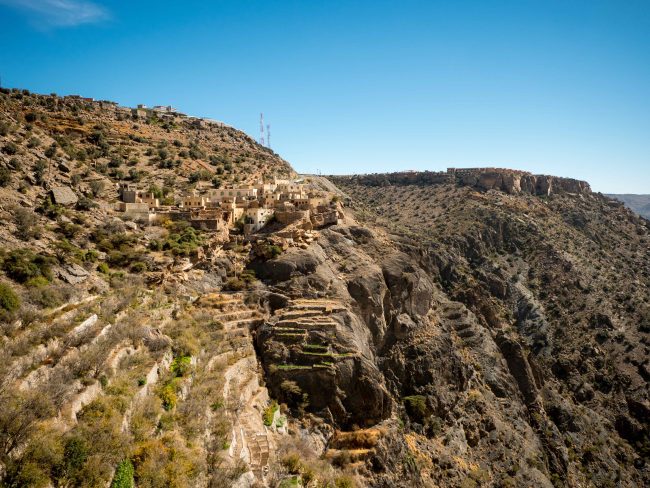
{"x": 5, "y": 177}
{"x": 269, "y": 413}
{"x": 123, "y": 475}
{"x": 37, "y": 282}
{"x": 275, "y": 251}
{"x": 292, "y": 462}
{"x": 33, "y": 142}
{"x": 168, "y": 396}
{"x": 96, "y": 187}
{"x": 181, "y": 365}
{"x": 10, "y": 148}
{"x": 344, "y": 481}
{"x": 48, "y": 296}
{"x": 234, "y": 284}
{"x": 91, "y": 256}
{"x": 138, "y": 267}
{"x": 69, "y": 229}
{"x": 39, "y": 171}
{"x": 156, "y": 245}
{"x": 5, "y": 128}
{"x": 22, "y": 265}
{"x": 8, "y": 298}
{"x": 416, "y": 406}
{"x": 50, "y": 152}
{"x": 75, "y": 453}
{"x": 26, "y": 224}
{"x": 103, "y": 268}
{"x": 85, "y": 204}
{"x": 66, "y": 251}
{"x": 183, "y": 239}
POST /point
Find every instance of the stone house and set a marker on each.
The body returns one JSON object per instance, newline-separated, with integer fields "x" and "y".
{"x": 256, "y": 217}
{"x": 129, "y": 193}
{"x": 242, "y": 193}
{"x": 139, "y": 113}
{"x": 194, "y": 200}
{"x": 134, "y": 210}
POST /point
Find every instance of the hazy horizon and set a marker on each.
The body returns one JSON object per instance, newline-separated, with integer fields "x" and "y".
{"x": 546, "y": 87}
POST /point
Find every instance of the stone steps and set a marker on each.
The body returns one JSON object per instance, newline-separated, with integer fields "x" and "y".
{"x": 314, "y": 309}
{"x": 246, "y": 321}
{"x": 304, "y": 324}
{"x": 290, "y": 337}
{"x": 308, "y": 301}
{"x": 300, "y": 313}
{"x": 240, "y": 332}
{"x": 237, "y": 315}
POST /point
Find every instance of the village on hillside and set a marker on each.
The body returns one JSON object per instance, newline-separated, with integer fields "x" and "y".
{"x": 247, "y": 208}
{"x": 296, "y": 207}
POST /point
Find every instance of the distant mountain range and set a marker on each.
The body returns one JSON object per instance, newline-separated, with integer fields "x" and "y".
{"x": 639, "y": 203}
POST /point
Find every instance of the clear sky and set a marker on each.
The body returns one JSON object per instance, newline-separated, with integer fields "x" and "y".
{"x": 557, "y": 87}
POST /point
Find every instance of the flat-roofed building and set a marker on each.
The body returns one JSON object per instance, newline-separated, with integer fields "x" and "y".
{"x": 194, "y": 200}
{"x": 256, "y": 217}
{"x": 240, "y": 193}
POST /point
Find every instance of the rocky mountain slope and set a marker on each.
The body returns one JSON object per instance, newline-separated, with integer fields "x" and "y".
{"x": 468, "y": 328}
{"x": 519, "y": 323}
{"x": 639, "y": 203}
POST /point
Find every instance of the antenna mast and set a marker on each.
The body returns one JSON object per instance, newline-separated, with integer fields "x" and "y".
{"x": 268, "y": 136}
{"x": 262, "y": 129}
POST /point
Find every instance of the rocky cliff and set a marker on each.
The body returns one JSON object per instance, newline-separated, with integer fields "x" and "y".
{"x": 506, "y": 180}
{"x": 510, "y": 331}
{"x": 479, "y": 327}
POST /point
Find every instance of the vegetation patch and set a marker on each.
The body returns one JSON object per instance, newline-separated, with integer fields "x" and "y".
{"x": 9, "y": 300}
{"x": 269, "y": 413}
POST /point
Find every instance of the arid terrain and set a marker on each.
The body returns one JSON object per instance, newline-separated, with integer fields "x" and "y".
{"x": 639, "y": 203}
{"x": 468, "y": 328}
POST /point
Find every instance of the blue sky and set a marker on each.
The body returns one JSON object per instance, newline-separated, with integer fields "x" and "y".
{"x": 556, "y": 87}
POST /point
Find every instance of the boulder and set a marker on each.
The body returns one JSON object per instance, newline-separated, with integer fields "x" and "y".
{"x": 63, "y": 195}
{"x": 73, "y": 274}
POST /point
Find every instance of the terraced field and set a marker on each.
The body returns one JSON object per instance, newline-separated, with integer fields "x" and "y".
{"x": 306, "y": 327}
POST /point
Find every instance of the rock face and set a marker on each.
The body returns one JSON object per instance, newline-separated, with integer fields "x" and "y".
{"x": 506, "y": 180}
{"x": 494, "y": 325}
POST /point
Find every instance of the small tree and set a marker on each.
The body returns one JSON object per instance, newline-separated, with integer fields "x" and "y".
{"x": 96, "y": 187}
{"x": 5, "y": 177}
{"x": 9, "y": 301}
{"x": 50, "y": 152}
{"x": 10, "y": 148}
{"x": 39, "y": 171}
{"x": 26, "y": 221}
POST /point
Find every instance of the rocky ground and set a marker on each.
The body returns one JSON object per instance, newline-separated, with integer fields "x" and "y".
{"x": 488, "y": 331}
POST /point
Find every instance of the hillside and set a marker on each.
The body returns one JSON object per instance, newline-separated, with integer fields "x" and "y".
{"x": 480, "y": 327}
{"x": 639, "y": 203}
{"x": 537, "y": 331}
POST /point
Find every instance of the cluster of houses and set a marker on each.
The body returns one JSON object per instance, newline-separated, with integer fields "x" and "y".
{"x": 142, "y": 112}
{"x": 248, "y": 207}
{"x": 167, "y": 112}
